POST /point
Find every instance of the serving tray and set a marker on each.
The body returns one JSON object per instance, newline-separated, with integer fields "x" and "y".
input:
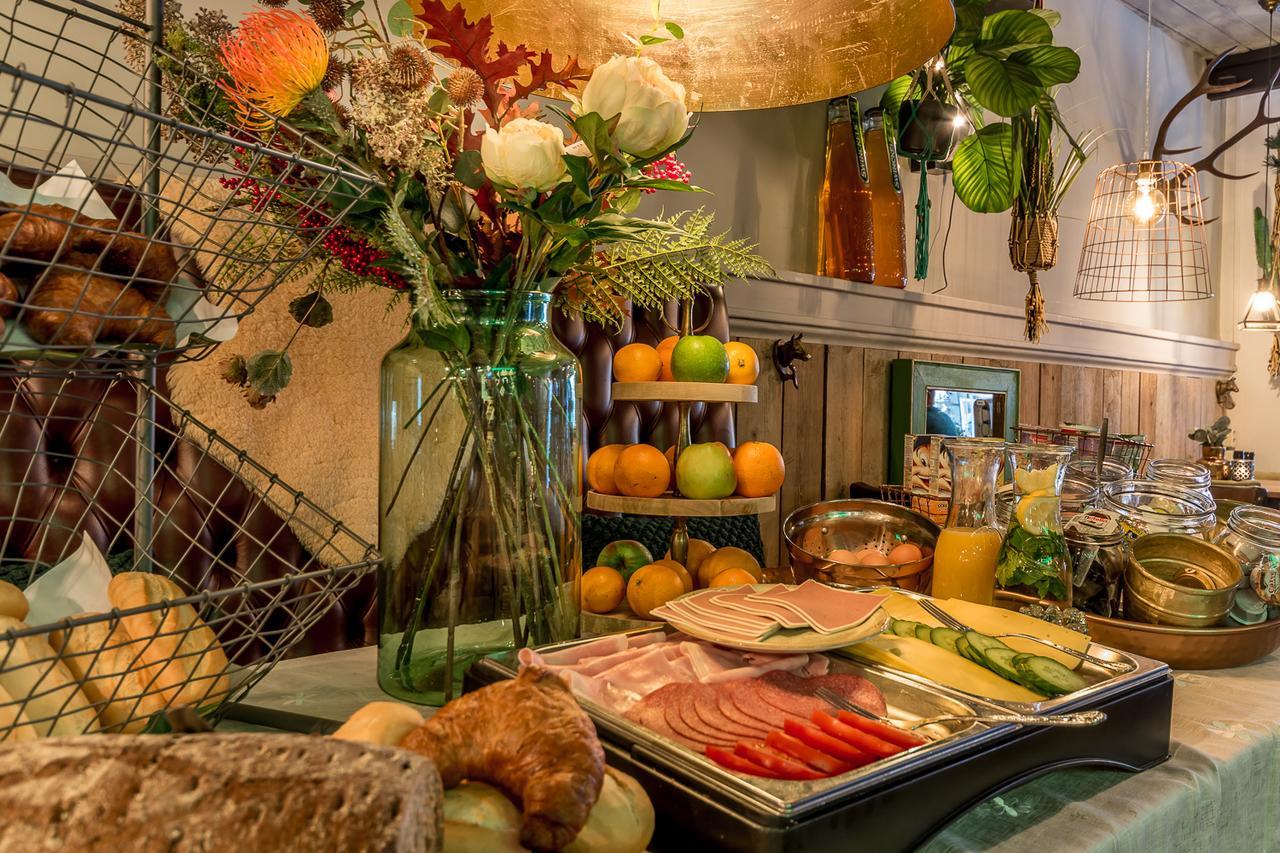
{"x": 893, "y": 804}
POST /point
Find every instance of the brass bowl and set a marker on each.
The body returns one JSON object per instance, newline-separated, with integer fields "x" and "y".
{"x": 1176, "y": 579}
{"x": 1181, "y": 648}
{"x": 816, "y": 530}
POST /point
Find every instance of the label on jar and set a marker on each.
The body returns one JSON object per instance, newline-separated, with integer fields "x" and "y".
{"x": 1093, "y": 524}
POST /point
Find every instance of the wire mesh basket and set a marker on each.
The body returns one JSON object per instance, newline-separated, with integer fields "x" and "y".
{"x": 932, "y": 507}
{"x": 181, "y": 237}
{"x": 1133, "y": 451}
{"x": 212, "y": 583}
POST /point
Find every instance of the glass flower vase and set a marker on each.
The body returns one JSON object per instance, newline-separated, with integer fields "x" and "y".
{"x": 479, "y": 493}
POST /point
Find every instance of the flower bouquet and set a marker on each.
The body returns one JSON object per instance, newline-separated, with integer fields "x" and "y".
{"x": 490, "y": 210}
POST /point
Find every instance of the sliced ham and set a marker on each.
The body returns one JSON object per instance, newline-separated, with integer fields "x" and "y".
{"x": 756, "y": 670}
{"x": 648, "y": 672}
{"x": 709, "y": 660}
{"x": 607, "y": 645}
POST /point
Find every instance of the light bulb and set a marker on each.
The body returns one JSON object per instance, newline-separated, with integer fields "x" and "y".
{"x": 959, "y": 121}
{"x": 1145, "y": 205}
{"x": 1262, "y": 302}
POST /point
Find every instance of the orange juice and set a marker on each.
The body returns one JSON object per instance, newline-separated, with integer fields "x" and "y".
{"x": 964, "y": 563}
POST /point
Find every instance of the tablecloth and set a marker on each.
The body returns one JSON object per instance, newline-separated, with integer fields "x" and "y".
{"x": 1220, "y": 790}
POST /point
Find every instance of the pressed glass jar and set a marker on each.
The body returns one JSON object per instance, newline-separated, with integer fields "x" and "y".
{"x": 1086, "y": 468}
{"x": 1180, "y": 472}
{"x": 1252, "y": 536}
{"x": 1147, "y": 506}
{"x": 1099, "y": 555}
{"x": 479, "y": 493}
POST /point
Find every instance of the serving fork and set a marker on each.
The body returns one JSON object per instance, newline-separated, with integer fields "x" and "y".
{"x": 1115, "y": 667}
{"x": 1073, "y": 719}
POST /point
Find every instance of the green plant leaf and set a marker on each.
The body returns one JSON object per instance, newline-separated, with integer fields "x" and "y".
{"x": 400, "y": 19}
{"x": 1052, "y": 17}
{"x": 598, "y": 135}
{"x": 652, "y": 40}
{"x": 1262, "y": 241}
{"x": 985, "y": 168}
{"x": 446, "y": 338}
{"x": 675, "y": 29}
{"x": 1011, "y": 30}
{"x": 269, "y": 372}
{"x": 969, "y": 14}
{"x": 894, "y": 94}
{"x": 1050, "y": 63}
{"x": 1006, "y": 87}
{"x": 469, "y": 169}
{"x": 311, "y": 309}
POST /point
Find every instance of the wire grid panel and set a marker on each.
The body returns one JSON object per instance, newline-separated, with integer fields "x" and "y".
{"x": 69, "y": 449}
{"x": 1145, "y": 239}
{"x": 1130, "y": 451}
{"x": 77, "y": 276}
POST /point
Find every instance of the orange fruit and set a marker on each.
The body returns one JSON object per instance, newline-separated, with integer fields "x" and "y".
{"x": 698, "y": 551}
{"x": 744, "y": 367}
{"x": 642, "y": 471}
{"x": 600, "y": 469}
{"x": 664, "y": 354}
{"x": 651, "y": 587}
{"x": 723, "y": 559}
{"x": 759, "y": 469}
{"x": 733, "y": 577}
{"x": 636, "y": 363}
{"x": 671, "y": 459}
{"x": 602, "y": 589}
{"x": 685, "y": 577}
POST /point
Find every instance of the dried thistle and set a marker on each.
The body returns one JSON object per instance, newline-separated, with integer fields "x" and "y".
{"x": 210, "y": 25}
{"x": 408, "y": 66}
{"x": 329, "y": 15}
{"x": 273, "y": 4}
{"x": 464, "y": 87}
{"x": 335, "y": 75}
{"x": 235, "y": 370}
{"x": 256, "y": 400}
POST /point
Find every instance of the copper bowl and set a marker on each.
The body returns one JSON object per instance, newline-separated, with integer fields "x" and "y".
{"x": 1181, "y": 648}
{"x": 812, "y": 532}
{"x": 1181, "y": 580}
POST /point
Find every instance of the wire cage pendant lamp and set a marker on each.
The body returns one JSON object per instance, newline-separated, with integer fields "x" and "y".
{"x": 1145, "y": 237}
{"x": 1263, "y": 312}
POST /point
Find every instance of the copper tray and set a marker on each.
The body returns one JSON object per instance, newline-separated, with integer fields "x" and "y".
{"x": 1181, "y": 648}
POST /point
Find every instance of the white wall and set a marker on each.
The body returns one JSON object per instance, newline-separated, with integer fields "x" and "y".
{"x": 1258, "y": 403}
{"x": 765, "y": 168}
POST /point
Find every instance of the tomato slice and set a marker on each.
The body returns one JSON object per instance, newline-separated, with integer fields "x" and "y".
{"x": 784, "y": 767}
{"x": 728, "y": 759}
{"x": 815, "y": 758}
{"x": 848, "y": 734}
{"x": 893, "y": 734}
{"x": 820, "y": 740}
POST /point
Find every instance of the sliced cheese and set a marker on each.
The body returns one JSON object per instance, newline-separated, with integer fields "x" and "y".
{"x": 994, "y": 621}
{"x": 940, "y": 666}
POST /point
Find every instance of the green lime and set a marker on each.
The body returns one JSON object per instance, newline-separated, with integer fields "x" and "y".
{"x": 699, "y": 358}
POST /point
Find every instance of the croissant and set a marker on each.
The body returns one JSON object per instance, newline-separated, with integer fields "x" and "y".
{"x": 8, "y": 297}
{"x": 529, "y": 737}
{"x": 42, "y": 230}
{"x": 74, "y": 307}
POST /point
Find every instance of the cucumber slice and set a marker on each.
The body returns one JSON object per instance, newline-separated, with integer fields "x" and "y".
{"x": 1055, "y": 678}
{"x": 981, "y": 643}
{"x": 904, "y": 627}
{"x": 966, "y": 651}
{"x": 1000, "y": 661}
{"x": 1022, "y": 679}
{"x": 924, "y": 632}
{"x": 945, "y": 638}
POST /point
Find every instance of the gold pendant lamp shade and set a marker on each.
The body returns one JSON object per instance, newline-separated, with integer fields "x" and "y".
{"x": 1263, "y": 313}
{"x": 739, "y": 54}
{"x": 1145, "y": 239}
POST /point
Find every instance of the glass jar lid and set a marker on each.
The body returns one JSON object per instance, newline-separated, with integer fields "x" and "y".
{"x": 1258, "y": 524}
{"x": 1094, "y": 528}
{"x": 1086, "y": 468}
{"x": 1179, "y": 472}
{"x": 1157, "y": 501}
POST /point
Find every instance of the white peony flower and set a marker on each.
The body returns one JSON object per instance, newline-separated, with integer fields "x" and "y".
{"x": 652, "y": 106}
{"x": 524, "y": 154}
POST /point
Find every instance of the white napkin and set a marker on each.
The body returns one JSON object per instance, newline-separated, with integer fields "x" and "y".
{"x": 76, "y": 585}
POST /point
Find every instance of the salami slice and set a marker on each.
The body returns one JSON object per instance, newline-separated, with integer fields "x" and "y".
{"x": 706, "y": 704}
{"x": 651, "y": 716}
{"x": 853, "y": 687}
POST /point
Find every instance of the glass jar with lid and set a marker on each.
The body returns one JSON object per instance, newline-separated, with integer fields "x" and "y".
{"x": 1147, "y": 506}
{"x": 1252, "y": 536}
{"x": 1099, "y": 554}
{"x": 1086, "y": 468}
{"x": 1180, "y": 472}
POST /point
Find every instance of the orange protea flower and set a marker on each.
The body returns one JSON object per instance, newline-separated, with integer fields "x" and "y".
{"x": 276, "y": 59}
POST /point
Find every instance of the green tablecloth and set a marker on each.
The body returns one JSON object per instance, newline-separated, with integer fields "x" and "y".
{"x": 1219, "y": 792}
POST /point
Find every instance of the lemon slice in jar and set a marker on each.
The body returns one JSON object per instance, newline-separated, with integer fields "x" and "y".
{"x": 1036, "y": 510}
{"x": 1043, "y": 479}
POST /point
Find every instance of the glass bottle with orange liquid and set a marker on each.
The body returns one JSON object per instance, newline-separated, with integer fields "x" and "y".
{"x": 964, "y": 561}
{"x": 888, "y": 228}
{"x": 845, "y": 247}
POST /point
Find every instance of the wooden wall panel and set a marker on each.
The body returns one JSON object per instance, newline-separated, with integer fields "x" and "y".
{"x": 844, "y": 422}
{"x": 802, "y": 436}
{"x": 1050, "y": 394}
{"x": 875, "y": 414}
{"x": 763, "y": 422}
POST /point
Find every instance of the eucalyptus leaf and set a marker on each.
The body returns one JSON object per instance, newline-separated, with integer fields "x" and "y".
{"x": 985, "y": 169}
{"x": 1050, "y": 63}
{"x": 1006, "y": 87}
{"x": 400, "y": 20}
{"x": 311, "y": 309}
{"x": 675, "y": 29}
{"x": 269, "y": 372}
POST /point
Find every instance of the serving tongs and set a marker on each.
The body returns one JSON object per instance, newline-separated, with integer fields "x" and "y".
{"x": 1114, "y": 667}
{"x": 1073, "y": 719}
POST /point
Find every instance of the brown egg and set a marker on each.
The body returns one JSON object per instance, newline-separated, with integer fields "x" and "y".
{"x": 843, "y": 555}
{"x": 905, "y": 553}
{"x": 870, "y": 557}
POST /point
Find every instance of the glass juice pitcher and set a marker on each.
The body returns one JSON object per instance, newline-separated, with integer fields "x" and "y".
{"x": 1034, "y": 556}
{"x": 964, "y": 561}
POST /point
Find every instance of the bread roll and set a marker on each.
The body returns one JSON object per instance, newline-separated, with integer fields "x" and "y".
{"x": 381, "y": 723}
{"x": 12, "y": 602}
{"x": 14, "y": 727}
{"x": 192, "y": 668}
{"x": 213, "y": 792}
{"x": 30, "y": 671}
{"x": 106, "y": 663}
